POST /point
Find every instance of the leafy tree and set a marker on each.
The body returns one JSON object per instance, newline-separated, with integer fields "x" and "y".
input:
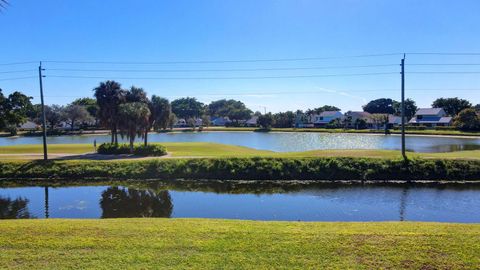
{"x": 381, "y": 105}
{"x": 161, "y": 111}
{"x": 135, "y": 116}
{"x": 233, "y": 109}
{"x": 90, "y": 105}
{"x": 16, "y": 107}
{"x": 284, "y": 119}
{"x": 347, "y": 121}
{"x": 54, "y": 115}
{"x": 3, "y": 110}
{"x": 187, "y": 108}
{"x": 172, "y": 119}
{"x": 109, "y": 96}
{"x": 477, "y": 107}
{"x": 410, "y": 108}
{"x": 265, "y": 121}
{"x": 467, "y": 119}
{"x": 452, "y": 106}
{"x": 324, "y": 108}
{"x": 76, "y": 114}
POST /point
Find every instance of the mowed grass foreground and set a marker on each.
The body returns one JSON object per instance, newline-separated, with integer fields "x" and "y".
{"x": 203, "y": 149}
{"x": 230, "y": 244}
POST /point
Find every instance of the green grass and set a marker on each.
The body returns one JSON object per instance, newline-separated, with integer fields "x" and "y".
{"x": 200, "y": 149}
{"x": 230, "y": 244}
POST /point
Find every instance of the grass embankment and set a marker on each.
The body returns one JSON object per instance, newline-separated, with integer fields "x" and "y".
{"x": 247, "y": 168}
{"x": 201, "y": 149}
{"x": 229, "y": 244}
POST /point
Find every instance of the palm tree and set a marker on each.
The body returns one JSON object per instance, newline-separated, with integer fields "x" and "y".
{"x": 135, "y": 118}
{"x": 137, "y": 94}
{"x": 109, "y": 96}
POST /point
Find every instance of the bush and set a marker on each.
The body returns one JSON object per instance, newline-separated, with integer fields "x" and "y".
{"x": 140, "y": 150}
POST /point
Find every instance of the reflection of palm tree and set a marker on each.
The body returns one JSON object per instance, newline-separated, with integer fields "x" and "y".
{"x": 12, "y": 209}
{"x": 122, "y": 202}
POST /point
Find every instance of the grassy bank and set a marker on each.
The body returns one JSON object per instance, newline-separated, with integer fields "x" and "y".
{"x": 201, "y": 149}
{"x": 255, "y": 168}
{"x": 215, "y": 244}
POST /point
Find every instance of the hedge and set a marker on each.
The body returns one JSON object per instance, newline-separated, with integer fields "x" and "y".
{"x": 247, "y": 169}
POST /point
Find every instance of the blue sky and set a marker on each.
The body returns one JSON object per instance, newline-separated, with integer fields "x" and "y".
{"x": 178, "y": 31}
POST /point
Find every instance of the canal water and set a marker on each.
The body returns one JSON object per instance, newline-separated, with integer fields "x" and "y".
{"x": 250, "y": 201}
{"x": 284, "y": 142}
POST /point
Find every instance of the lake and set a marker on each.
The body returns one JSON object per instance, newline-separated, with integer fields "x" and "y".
{"x": 247, "y": 200}
{"x": 284, "y": 141}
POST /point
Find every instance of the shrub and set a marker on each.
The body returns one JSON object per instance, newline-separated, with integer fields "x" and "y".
{"x": 141, "y": 150}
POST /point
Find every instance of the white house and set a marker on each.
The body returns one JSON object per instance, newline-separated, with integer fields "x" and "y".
{"x": 325, "y": 117}
{"x": 430, "y": 117}
{"x": 180, "y": 123}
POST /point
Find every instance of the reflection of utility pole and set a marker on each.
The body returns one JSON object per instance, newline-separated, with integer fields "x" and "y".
{"x": 403, "y": 202}
{"x": 47, "y": 214}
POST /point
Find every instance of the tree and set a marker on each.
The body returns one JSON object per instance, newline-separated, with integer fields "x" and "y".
{"x": 467, "y": 119}
{"x": 284, "y": 119}
{"x": 381, "y": 105}
{"x": 16, "y": 107}
{"x": 54, "y": 115}
{"x": 136, "y": 94}
{"x": 233, "y": 109}
{"x": 477, "y": 107}
{"x": 324, "y": 108}
{"x": 172, "y": 119}
{"x": 90, "y": 105}
{"x": 451, "y": 106}
{"x": 265, "y": 120}
{"x": 135, "y": 116}
{"x": 410, "y": 108}
{"x": 76, "y": 114}
{"x": 3, "y": 110}
{"x": 109, "y": 96}
{"x": 161, "y": 111}
{"x": 187, "y": 108}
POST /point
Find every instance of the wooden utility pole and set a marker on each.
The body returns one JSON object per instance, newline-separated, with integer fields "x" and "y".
{"x": 403, "y": 108}
{"x": 44, "y": 118}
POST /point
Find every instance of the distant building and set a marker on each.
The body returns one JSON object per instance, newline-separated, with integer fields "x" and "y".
{"x": 220, "y": 121}
{"x": 430, "y": 117}
{"x": 180, "y": 123}
{"x": 252, "y": 122}
{"x": 322, "y": 119}
{"x": 29, "y": 125}
{"x": 360, "y": 119}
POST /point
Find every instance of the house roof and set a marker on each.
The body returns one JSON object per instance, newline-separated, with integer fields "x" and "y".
{"x": 440, "y": 120}
{"x": 359, "y": 114}
{"x": 252, "y": 120}
{"x": 329, "y": 113}
{"x": 428, "y": 111}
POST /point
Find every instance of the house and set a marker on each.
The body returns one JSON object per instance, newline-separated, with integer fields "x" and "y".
{"x": 430, "y": 117}
{"x": 180, "y": 123}
{"x": 29, "y": 125}
{"x": 322, "y": 119}
{"x": 302, "y": 121}
{"x": 220, "y": 121}
{"x": 359, "y": 119}
{"x": 252, "y": 122}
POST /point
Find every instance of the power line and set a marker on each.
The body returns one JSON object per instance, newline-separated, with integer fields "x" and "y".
{"x": 225, "y": 78}
{"x": 446, "y": 54}
{"x": 219, "y": 70}
{"x": 17, "y": 78}
{"x": 221, "y": 61}
{"x": 443, "y": 72}
{"x": 17, "y": 71}
{"x": 18, "y": 63}
{"x": 439, "y": 64}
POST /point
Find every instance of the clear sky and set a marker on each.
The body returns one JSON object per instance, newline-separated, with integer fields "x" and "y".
{"x": 196, "y": 31}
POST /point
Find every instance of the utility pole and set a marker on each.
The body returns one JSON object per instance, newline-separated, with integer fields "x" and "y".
{"x": 44, "y": 119}
{"x": 403, "y": 109}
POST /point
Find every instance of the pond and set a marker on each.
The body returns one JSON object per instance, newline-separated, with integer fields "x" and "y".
{"x": 284, "y": 141}
{"x": 247, "y": 200}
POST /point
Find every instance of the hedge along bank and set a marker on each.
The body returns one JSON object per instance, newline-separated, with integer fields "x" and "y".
{"x": 255, "y": 168}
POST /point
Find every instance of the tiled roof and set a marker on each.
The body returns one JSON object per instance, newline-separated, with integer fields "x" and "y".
{"x": 428, "y": 111}
{"x": 329, "y": 113}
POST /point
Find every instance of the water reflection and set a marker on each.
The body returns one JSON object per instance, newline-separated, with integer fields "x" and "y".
{"x": 119, "y": 202}
{"x": 14, "y": 209}
{"x": 264, "y": 200}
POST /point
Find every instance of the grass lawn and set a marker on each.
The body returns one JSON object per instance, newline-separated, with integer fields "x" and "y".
{"x": 200, "y": 149}
{"x": 219, "y": 244}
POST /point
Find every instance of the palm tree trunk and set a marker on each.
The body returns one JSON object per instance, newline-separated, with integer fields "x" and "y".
{"x": 131, "y": 144}
{"x": 146, "y": 137}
